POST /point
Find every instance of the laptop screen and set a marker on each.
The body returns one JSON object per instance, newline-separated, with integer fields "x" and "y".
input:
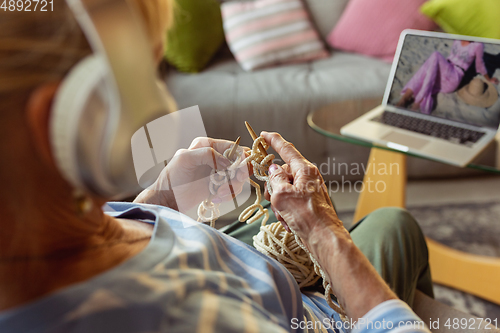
{"x": 448, "y": 78}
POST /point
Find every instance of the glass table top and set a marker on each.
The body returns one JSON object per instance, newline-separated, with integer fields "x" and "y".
{"x": 328, "y": 121}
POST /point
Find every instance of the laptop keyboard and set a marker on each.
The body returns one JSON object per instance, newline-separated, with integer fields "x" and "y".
{"x": 443, "y": 131}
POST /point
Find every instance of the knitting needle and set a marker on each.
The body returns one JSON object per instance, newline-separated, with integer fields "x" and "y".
{"x": 230, "y": 157}
{"x": 254, "y": 136}
{"x": 233, "y": 150}
{"x": 210, "y": 196}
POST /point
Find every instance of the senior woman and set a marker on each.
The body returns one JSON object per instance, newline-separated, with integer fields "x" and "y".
{"x": 139, "y": 267}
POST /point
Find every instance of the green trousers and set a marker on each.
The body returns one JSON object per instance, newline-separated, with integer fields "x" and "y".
{"x": 392, "y": 241}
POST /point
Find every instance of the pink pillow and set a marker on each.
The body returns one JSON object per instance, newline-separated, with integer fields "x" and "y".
{"x": 372, "y": 27}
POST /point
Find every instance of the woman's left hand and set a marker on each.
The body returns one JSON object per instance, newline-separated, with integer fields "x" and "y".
{"x": 184, "y": 182}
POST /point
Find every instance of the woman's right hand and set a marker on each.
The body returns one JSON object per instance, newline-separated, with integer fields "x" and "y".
{"x": 300, "y": 199}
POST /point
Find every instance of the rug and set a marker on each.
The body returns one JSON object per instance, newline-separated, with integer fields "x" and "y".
{"x": 472, "y": 228}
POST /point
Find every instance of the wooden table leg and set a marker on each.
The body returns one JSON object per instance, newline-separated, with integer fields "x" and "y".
{"x": 477, "y": 275}
{"x": 384, "y": 182}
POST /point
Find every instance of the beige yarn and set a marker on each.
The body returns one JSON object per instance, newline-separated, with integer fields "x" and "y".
{"x": 207, "y": 206}
{"x": 260, "y": 163}
{"x": 246, "y": 215}
{"x": 209, "y": 212}
{"x": 287, "y": 248}
{"x": 272, "y": 240}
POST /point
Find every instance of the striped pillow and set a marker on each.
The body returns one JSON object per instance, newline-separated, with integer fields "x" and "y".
{"x": 262, "y": 33}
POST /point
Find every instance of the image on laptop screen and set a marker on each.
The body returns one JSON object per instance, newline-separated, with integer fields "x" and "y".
{"x": 447, "y": 78}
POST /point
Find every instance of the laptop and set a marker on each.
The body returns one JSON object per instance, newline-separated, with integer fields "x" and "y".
{"x": 441, "y": 101}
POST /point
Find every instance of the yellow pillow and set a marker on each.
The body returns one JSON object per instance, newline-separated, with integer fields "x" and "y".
{"x": 465, "y": 17}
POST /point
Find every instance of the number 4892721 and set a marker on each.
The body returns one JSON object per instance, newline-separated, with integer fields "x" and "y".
{"x": 27, "y": 5}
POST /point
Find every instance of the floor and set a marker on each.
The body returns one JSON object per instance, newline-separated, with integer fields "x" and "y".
{"x": 436, "y": 192}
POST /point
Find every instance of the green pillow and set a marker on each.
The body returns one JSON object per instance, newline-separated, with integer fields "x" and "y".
{"x": 465, "y": 17}
{"x": 196, "y": 34}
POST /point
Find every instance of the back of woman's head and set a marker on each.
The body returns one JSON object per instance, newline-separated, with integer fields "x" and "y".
{"x": 35, "y": 48}
{"x": 38, "y": 47}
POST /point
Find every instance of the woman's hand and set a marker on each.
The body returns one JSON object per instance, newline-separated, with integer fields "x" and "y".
{"x": 300, "y": 199}
{"x": 184, "y": 182}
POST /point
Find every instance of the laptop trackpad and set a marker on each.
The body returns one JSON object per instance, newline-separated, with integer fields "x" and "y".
{"x": 406, "y": 140}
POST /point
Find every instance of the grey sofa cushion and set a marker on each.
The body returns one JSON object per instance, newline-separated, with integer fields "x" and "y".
{"x": 279, "y": 98}
{"x": 325, "y": 14}
{"x": 342, "y": 76}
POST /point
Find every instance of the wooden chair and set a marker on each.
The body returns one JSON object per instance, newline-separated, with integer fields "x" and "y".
{"x": 473, "y": 274}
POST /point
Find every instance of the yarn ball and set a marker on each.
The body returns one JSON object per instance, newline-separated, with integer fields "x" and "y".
{"x": 275, "y": 242}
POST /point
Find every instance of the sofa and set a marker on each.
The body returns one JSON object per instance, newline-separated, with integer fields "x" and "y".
{"x": 280, "y": 98}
